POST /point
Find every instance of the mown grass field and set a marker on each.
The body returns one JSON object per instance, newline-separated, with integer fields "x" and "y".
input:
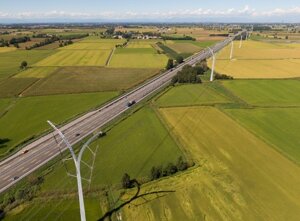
{"x": 191, "y": 95}
{"x": 90, "y": 79}
{"x": 260, "y": 60}
{"x": 10, "y": 61}
{"x": 266, "y": 92}
{"x": 76, "y": 58}
{"x": 28, "y": 116}
{"x": 59, "y": 209}
{"x": 278, "y": 126}
{"x": 237, "y": 173}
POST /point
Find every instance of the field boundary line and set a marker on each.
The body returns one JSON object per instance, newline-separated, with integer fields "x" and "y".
{"x": 110, "y": 56}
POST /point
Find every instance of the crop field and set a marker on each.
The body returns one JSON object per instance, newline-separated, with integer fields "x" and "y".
{"x": 59, "y": 209}
{"x": 7, "y": 49}
{"x": 10, "y": 61}
{"x": 90, "y": 46}
{"x": 90, "y": 79}
{"x": 237, "y": 173}
{"x": 132, "y": 60}
{"x": 141, "y": 43}
{"x": 36, "y": 72}
{"x": 33, "y": 112}
{"x": 186, "y": 95}
{"x": 284, "y": 134}
{"x": 76, "y": 58}
{"x": 260, "y": 60}
{"x": 266, "y": 92}
{"x": 134, "y": 51}
{"x": 184, "y": 47}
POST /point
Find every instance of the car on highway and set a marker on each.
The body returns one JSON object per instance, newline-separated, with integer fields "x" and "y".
{"x": 14, "y": 178}
{"x": 25, "y": 151}
{"x": 130, "y": 103}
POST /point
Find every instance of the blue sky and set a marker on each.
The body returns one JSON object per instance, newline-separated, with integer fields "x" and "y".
{"x": 154, "y": 10}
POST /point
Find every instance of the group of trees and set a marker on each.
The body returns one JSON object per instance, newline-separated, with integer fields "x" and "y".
{"x": 14, "y": 41}
{"x": 178, "y": 38}
{"x": 158, "y": 172}
{"x": 222, "y": 77}
{"x": 4, "y": 43}
{"x": 43, "y": 43}
{"x": 190, "y": 74}
{"x": 65, "y": 43}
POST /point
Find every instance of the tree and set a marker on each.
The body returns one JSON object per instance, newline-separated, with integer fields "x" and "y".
{"x": 170, "y": 64}
{"x": 171, "y": 169}
{"x": 23, "y": 65}
{"x": 179, "y": 59}
{"x": 156, "y": 172}
{"x": 126, "y": 182}
{"x": 181, "y": 165}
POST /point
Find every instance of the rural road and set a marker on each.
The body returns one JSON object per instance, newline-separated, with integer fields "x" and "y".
{"x": 45, "y": 148}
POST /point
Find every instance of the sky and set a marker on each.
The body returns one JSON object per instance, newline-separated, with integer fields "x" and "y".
{"x": 150, "y": 11}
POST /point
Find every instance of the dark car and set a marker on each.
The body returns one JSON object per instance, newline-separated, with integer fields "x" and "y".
{"x": 130, "y": 103}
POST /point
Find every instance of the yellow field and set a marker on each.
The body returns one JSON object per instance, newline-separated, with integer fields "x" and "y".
{"x": 36, "y": 72}
{"x": 260, "y": 60}
{"x": 76, "y": 58}
{"x": 237, "y": 176}
{"x": 7, "y": 49}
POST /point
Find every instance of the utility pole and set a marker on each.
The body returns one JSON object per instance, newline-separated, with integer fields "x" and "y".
{"x": 77, "y": 161}
{"x": 213, "y": 64}
{"x": 231, "y": 51}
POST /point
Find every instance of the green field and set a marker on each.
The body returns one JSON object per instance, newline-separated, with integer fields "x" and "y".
{"x": 132, "y": 60}
{"x": 184, "y": 48}
{"x": 28, "y": 116}
{"x": 133, "y": 146}
{"x": 266, "y": 92}
{"x": 36, "y": 72}
{"x": 76, "y": 58}
{"x": 141, "y": 43}
{"x": 278, "y": 126}
{"x": 186, "y": 95}
{"x": 134, "y": 51}
{"x": 90, "y": 79}
{"x": 61, "y": 210}
{"x": 239, "y": 177}
{"x": 10, "y": 61}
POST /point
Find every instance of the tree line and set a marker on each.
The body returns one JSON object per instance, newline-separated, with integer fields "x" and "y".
{"x": 158, "y": 172}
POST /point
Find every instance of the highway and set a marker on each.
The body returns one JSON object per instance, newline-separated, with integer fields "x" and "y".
{"x": 45, "y": 148}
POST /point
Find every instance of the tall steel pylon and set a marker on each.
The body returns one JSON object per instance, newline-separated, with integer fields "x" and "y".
{"x": 213, "y": 64}
{"x": 77, "y": 161}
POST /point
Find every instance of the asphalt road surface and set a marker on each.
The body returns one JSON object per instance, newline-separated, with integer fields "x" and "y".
{"x": 45, "y": 148}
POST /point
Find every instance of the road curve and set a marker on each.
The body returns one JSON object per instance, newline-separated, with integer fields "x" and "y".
{"x": 45, "y": 148}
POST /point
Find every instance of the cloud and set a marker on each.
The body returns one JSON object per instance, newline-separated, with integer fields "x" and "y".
{"x": 245, "y": 12}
